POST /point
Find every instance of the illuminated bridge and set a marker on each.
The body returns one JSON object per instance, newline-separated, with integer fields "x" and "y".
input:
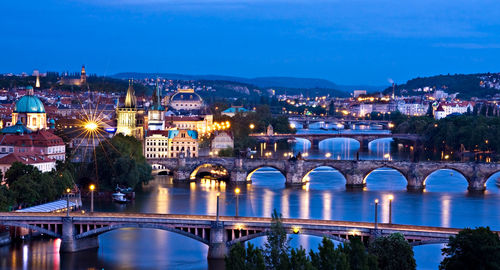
{"x": 315, "y": 138}
{"x": 355, "y": 172}
{"x": 80, "y": 231}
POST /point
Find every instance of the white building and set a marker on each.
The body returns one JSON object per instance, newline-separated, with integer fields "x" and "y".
{"x": 40, "y": 161}
{"x": 446, "y": 108}
{"x": 222, "y": 140}
{"x": 413, "y": 109}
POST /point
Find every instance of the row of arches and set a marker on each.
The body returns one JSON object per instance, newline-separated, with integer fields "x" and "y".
{"x": 381, "y": 178}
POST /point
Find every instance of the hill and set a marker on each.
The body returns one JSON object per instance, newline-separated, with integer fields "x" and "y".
{"x": 481, "y": 85}
{"x": 264, "y": 82}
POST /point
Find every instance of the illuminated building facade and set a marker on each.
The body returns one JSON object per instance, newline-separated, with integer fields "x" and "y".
{"x": 30, "y": 111}
{"x": 186, "y": 99}
{"x": 171, "y": 144}
{"x": 156, "y": 113}
{"x": 127, "y": 116}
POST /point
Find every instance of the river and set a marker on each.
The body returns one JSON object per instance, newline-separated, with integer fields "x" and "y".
{"x": 445, "y": 202}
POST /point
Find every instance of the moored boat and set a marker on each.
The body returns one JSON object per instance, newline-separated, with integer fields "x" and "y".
{"x": 119, "y": 197}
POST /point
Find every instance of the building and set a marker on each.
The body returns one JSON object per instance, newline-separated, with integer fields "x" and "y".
{"x": 30, "y": 111}
{"x": 358, "y": 93}
{"x": 156, "y": 144}
{"x": 171, "y": 144}
{"x": 234, "y": 110}
{"x": 183, "y": 142}
{"x": 413, "y": 109}
{"x": 201, "y": 123}
{"x": 127, "y": 120}
{"x": 185, "y": 99}
{"x": 40, "y": 161}
{"x": 19, "y": 139}
{"x": 156, "y": 113}
{"x": 446, "y": 108}
{"x": 222, "y": 140}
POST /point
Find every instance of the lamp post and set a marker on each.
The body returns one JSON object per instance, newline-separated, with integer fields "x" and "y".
{"x": 376, "y": 214}
{"x": 237, "y": 191}
{"x": 92, "y": 187}
{"x": 217, "y": 217}
{"x": 391, "y": 197}
{"x": 67, "y": 201}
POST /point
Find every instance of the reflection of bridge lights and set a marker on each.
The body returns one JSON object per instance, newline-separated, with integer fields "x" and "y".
{"x": 387, "y": 156}
{"x": 306, "y": 186}
{"x": 305, "y": 154}
{"x": 295, "y": 229}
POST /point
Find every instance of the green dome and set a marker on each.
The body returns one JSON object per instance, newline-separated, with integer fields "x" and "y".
{"x": 29, "y": 104}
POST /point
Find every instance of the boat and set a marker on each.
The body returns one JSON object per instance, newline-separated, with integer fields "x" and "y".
{"x": 119, "y": 197}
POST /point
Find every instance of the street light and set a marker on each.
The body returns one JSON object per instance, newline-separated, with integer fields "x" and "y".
{"x": 91, "y": 126}
{"x": 391, "y": 197}
{"x": 376, "y": 214}
{"x": 237, "y": 191}
{"x": 252, "y": 126}
{"x": 92, "y": 187}
{"x": 67, "y": 201}
{"x": 217, "y": 217}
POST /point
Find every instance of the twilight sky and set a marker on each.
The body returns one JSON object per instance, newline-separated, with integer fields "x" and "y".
{"x": 345, "y": 41}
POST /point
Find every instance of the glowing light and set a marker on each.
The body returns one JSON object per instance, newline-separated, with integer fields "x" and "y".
{"x": 68, "y": 190}
{"x": 92, "y": 187}
{"x": 91, "y": 126}
{"x": 376, "y": 200}
{"x": 237, "y": 191}
{"x": 390, "y": 197}
{"x": 252, "y": 126}
{"x": 446, "y": 156}
{"x": 292, "y": 125}
{"x": 328, "y": 155}
{"x": 295, "y": 229}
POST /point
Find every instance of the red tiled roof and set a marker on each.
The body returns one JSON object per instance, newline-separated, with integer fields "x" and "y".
{"x": 26, "y": 158}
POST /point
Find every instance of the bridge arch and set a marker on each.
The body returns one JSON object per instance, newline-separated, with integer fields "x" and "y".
{"x": 306, "y": 177}
{"x": 264, "y": 233}
{"x": 192, "y": 175}
{"x": 385, "y": 166}
{"x": 255, "y": 169}
{"x": 32, "y": 227}
{"x": 493, "y": 178}
{"x": 99, "y": 231}
{"x": 451, "y": 175}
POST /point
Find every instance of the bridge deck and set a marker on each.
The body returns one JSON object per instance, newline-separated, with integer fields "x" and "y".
{"x": 229, "y": 220}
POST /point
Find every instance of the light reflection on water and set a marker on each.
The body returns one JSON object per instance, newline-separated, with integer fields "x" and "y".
{"x": 445, "y": 202}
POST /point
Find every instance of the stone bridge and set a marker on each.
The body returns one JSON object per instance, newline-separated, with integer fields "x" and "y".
{"x": 307, "y": 120}
{"x": 354, "y": 171}
{"x": 363, "y": 138}
{"x": 80, "y": 231}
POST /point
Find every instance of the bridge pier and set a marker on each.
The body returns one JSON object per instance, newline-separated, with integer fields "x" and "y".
{"x": 295, "y": 173}
{"x": 217, "y": 248}
{"x": 68, "y": 241}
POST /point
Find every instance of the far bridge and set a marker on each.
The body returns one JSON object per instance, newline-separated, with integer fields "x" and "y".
{"x": 307, "y": 120}
{"x": 315, "y": 138}
{"x": 80, "y": 231}
{"x": 355, "y": 172}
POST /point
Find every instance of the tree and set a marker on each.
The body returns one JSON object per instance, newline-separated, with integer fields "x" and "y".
{"x": 472, "y": 249}
{"x": 277, "y": 245}
{"x": 18, "y": 169}
{"x": 299, "y": 260}
{"x": 358, "y": 257}
{"x": 393, "y": 252}
{"x": 5, "y": 199}
{"x": 240, "y": 258}
{"x": 329, "y": 257}
{"x": 120, "y": 161}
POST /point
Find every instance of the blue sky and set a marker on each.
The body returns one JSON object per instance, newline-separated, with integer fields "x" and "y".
{"x": 345, "y": 41}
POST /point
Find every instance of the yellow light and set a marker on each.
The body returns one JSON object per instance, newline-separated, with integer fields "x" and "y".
{"x": 296, "y": 229}
{"x": 92, "y": 187}
{"x": 376, "y": 200}
{"x": 446, "y": 156}
{"x": 91, "y": 126}
{"x": 327, "y": 155}
{"x": 68, "y": 190}
{"x": 252, "y": 126}
{"x": 391, "y": 197}
{"x": 237, "y": 191}
{"x": 218, "y": 194}
{"x": 292, "y": 125}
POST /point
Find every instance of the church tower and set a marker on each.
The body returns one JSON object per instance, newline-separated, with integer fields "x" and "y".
{"x": 126, "y": 115}
{"x": 156, "y": 113}
{"x": 83, "y": 76}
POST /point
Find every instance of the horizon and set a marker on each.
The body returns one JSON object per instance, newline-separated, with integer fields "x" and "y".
{"x": 361, "y": 43}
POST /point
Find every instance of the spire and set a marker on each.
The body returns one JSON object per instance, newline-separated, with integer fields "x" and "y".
{"x": 130, "y": 100}
{"x": 156, "y": 99}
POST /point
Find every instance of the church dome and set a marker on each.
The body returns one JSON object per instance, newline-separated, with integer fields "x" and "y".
{"x": 29, "y": 104}
{"x": 181, "y": 96}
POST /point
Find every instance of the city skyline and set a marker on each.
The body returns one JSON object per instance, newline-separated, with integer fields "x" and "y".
{"x": 346, "y": 43}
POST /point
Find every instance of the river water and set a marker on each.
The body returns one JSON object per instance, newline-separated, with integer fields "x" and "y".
{"x": 445, "y": 202}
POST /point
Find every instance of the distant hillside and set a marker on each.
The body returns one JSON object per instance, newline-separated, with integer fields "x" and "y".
{"x": 479, "y": 85}
{"x": 266, "y": 82}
